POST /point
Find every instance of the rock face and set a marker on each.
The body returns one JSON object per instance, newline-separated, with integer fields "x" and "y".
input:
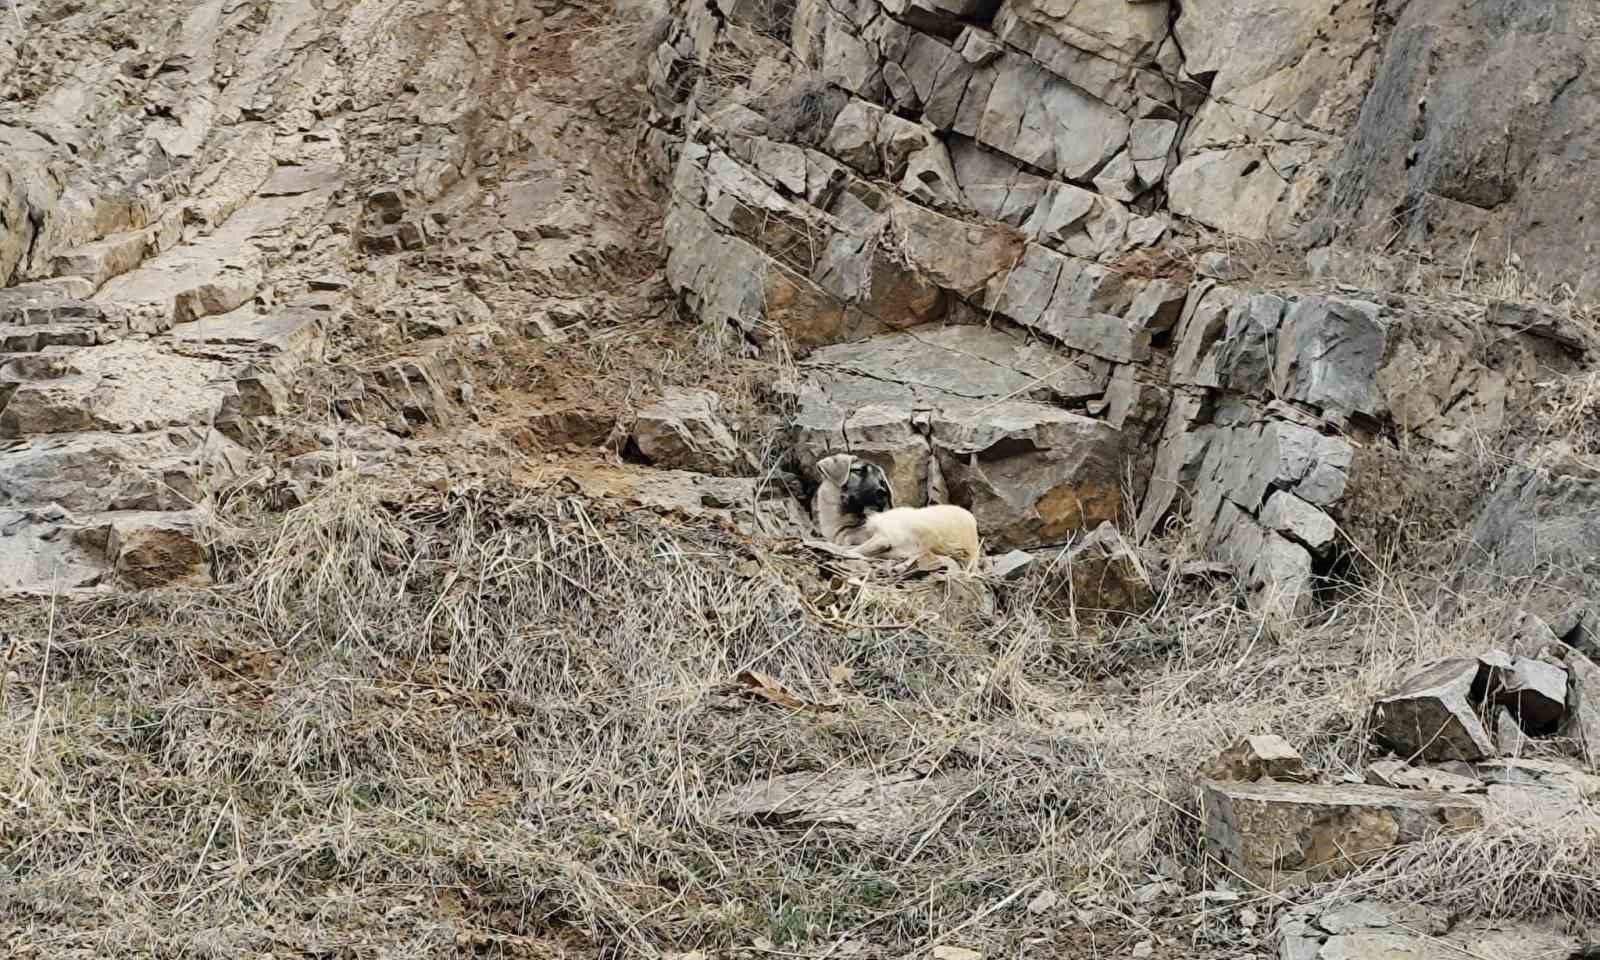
{"x": 950, "y": 213}
{"x": 1535, "y": 535}
{"x": 1280, "y": 835}
{"x": 946, "y": 213}
{"x": 175, "y": 218}
{"x": 1424, "y": 144}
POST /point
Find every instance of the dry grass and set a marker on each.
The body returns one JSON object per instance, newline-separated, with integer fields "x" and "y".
{"x": 496, "y": 717}
{"x": 1520, "y": 865}
{"x": 1569, "y": 411}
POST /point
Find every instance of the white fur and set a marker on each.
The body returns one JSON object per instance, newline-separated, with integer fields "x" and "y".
{"x": 905, "y": 533}
{"x": 911, "y": 533}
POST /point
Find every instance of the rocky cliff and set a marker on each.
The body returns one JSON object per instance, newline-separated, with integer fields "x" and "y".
{"x": 1008, "y": 242}
{"x": 1022, "y": 253}
{"x": 212, "y": 219}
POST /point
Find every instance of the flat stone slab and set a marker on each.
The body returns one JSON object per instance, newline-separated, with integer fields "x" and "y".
{"x": 864, "y": 801}
{"x": 95, "y": 472}
{"x": 1367, "y": 930}
{"x": 128, "y": 386}
{"x": 186, "y": 284}
{"x": 952, "y": 364}
{"x": 101, "y": 260}
{"x": 50, "y": 549}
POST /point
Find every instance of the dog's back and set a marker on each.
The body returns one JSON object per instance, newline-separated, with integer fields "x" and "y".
{"x": 943, "y": 529}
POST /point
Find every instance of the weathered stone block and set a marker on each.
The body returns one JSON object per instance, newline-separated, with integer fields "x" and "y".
{"x": 1263, "y": 756}
{"x": 685, "y": 431}
{"x": 1282, "y": 835}
{"x": 1431, "y": 716}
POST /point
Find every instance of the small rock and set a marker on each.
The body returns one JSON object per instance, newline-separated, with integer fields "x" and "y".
{"x": 1046, "y": 901}
{"x": 1430, "y": 716}
{"x": 1398, "y": 775}
{"x": 1010, "y": 566}
{"x": 1265, "y": 756}
{"x": 1106, "y": 575}
{"x": 1526, "y": 632}
{"x": 1351, "y": 917}
{"x": 1220, "y": 266}
{"x": 1144, "y": 948}
{"x": 1534, "y": 691}
{"x": 946, "y": 952}
{"x": 685, "y": 431}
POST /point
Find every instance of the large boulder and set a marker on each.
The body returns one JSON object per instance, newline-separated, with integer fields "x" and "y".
{"x": 1032, "y": 474}
{"x": 1431, "y": 715}
{"x": 1281, "y": 835}
{"x": 960, "y": 413}
{"x": 684, "y": 430}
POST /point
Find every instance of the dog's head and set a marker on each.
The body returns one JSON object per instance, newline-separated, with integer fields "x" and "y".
{"x": 862, "y": 486}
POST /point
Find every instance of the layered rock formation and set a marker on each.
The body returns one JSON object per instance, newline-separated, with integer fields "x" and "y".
{"x": 954, "y": 213}
{"x": 979, "y": 227}
{"x": 188, "y": 193}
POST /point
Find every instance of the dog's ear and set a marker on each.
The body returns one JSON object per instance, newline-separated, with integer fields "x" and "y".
{"x": 835, "y": 469}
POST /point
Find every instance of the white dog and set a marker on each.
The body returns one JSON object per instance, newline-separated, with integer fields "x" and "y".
{"x": 851, "y": 511}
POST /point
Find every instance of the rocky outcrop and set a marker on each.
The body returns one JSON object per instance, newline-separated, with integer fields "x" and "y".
{"x": 173, "y": 224}
{"x": 946, "y": 214}
{"x": 1463, "y": 166}
{"x": 1534, "y": 536}
{"x": 180, "y": 219}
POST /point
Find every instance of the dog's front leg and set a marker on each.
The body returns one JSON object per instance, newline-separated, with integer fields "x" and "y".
{"x": 875, "y": 546}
